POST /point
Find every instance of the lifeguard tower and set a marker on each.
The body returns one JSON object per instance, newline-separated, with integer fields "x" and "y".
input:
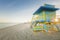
{"x": 43, "y": 18}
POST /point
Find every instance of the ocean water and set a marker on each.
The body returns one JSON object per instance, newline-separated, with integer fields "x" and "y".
{"x": 4, "y": 25}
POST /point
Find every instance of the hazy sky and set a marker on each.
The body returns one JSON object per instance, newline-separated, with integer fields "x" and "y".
{"x": 22, "y": 10}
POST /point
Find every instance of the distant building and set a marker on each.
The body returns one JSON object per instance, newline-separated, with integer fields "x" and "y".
{"x": 58, "y": 18}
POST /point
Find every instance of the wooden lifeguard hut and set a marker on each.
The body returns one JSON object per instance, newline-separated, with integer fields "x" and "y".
{"x": 43, "y": 17}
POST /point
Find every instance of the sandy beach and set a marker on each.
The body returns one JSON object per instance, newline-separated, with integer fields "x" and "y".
{"x": 24, "y": 32}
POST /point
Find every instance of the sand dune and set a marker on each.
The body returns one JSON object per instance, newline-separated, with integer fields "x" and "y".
{"x": 24, "y": 32}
